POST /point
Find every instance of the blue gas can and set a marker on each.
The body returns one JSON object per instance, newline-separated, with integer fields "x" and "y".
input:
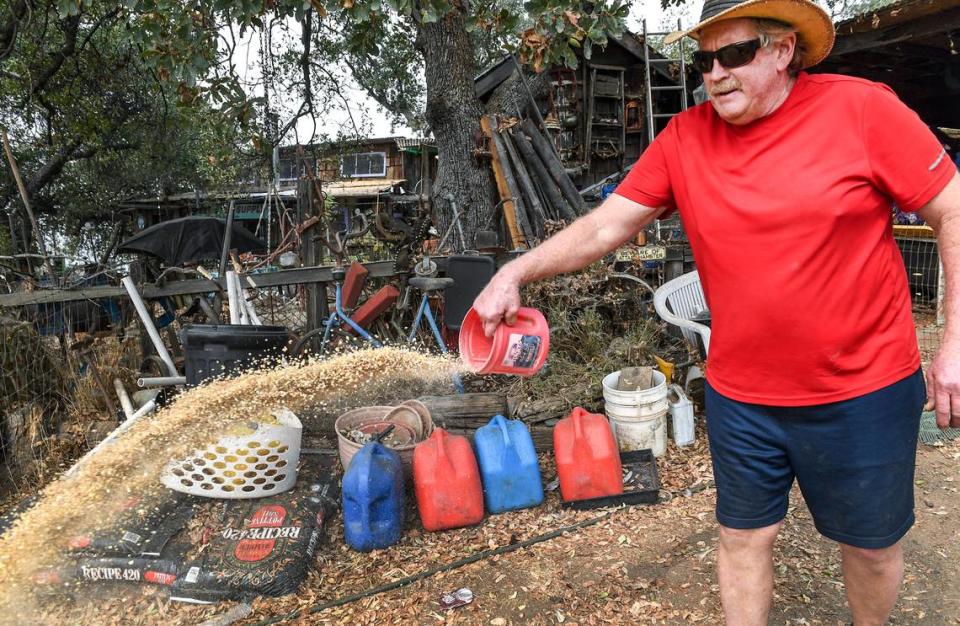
{"x": 508, "y": 465}
{"x": 373, "y": 498}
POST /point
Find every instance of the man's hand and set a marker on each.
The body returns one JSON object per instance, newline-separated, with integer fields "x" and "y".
{"x": 499, "y": 300}
{"x": 943, "y": 385}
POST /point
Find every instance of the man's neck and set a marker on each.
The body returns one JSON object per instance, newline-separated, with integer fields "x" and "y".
{"x": 782, "y": 96}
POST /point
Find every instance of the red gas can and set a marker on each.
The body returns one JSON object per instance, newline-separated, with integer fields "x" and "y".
{"x": 588, "y": 461}
{"x": 447, "y": 482}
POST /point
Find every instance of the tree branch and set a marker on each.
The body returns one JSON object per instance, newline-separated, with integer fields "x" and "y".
{"x": 8, "y": 32}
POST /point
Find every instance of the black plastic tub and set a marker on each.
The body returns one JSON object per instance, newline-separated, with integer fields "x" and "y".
{"x": 641, "y": 484}
{"x": 212, "y": 350}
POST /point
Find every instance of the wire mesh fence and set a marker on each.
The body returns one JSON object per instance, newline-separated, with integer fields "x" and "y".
{"x": 282, "y": 306}
{"x": 921, "y": 258}
{"x": 44, "y": 382}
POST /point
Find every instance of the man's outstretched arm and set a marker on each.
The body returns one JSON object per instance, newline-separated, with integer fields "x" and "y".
{"x": 581, "y": 243}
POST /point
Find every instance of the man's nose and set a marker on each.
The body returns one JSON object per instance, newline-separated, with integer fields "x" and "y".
{"x": 717, "y": 72}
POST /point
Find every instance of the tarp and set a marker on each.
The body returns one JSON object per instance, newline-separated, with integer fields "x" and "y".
{"x": 190, "y": 239}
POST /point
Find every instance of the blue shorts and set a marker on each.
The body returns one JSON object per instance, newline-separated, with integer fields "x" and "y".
{"x": 854, "y": 461}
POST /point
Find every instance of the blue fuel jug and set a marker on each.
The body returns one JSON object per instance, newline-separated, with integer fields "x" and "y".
{"x": 508, "y": 465}
{"x": 373, "y": 498}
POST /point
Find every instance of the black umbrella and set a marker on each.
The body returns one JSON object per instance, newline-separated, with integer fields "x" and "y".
{"x": 190, "y": 239}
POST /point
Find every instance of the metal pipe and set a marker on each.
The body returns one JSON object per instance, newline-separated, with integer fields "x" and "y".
{"x": 246, "y": 305}
{"x": 252, "y": 317}
{"x": 119, "y": 430}
{"x": 147, "y": 320}
{"x": 208, "y": 310}
{"x": 232, "y": 297}
{"x": 146, "y": 409}
{"x": 227, "y": 238}
{"x": 161, "y": 381}
{"x": 125, "y": 402}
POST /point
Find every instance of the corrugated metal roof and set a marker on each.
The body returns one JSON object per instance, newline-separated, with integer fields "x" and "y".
{"x": 415, "y": 142}
{"x": 355, "y": 188}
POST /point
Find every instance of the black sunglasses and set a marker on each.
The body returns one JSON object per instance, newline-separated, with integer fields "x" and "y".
{"x": 733, "y": 55}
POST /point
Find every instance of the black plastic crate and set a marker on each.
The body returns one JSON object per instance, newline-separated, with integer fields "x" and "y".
{"x": 212, "y": 350}
{"x": 641, "y": 483}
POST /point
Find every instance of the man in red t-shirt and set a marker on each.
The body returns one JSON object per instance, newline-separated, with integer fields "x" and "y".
{"x": 784, "y": 183}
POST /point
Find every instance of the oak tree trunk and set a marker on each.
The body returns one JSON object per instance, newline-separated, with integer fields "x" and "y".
{"x": 464, "y": 182}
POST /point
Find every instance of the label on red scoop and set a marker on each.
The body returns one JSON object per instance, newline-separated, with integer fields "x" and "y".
{"x": 522, "y": 350}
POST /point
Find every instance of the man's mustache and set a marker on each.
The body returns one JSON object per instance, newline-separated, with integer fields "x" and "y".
{"x": 725, "y": 85}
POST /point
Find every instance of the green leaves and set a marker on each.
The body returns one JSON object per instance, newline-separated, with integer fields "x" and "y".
{"x": 561, "y": 28}
{"x": 72, "y": 8}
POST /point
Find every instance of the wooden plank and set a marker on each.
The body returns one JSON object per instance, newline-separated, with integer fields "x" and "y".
{"x": 559, "y": 406}
{"x": 301, "y": 275}
{"x": 523, "y": 219}
{"x": 538, "y": 171}
{"x": 553, "y": 165}
{"x": 509, "y": 208}
{"x": 537, "y": 214}
{"x": 941, "y": 22}
{"x": 467, "y": 406}
{"x": 907, "y": 231}
{"x": 298, "y": 276}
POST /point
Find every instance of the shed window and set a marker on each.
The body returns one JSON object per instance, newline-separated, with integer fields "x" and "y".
{"x": 363, "y": 164}
{"x": 289, "y": 170}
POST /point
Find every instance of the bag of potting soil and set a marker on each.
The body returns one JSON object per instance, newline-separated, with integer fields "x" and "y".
{"x": 263, "y": 546}
{"x": 208, "y": 550}
{"x": 142, "y": 530}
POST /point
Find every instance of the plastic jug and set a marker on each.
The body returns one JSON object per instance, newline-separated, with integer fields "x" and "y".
{"x": 519, "y": 349}
{"x": 373, "y": 498}
{"x": 588, "y": 461}
{"x": 681, "y": 417}
{"x": 447, "y": 482}
{"x": 508, "y": 465}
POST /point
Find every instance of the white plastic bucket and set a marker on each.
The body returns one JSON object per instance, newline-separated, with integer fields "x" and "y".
{"x": 646, "y": 402}
{"x": 634, "y": 433}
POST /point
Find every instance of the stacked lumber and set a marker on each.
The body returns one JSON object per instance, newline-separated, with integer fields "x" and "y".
{"x": 534, "y": 187}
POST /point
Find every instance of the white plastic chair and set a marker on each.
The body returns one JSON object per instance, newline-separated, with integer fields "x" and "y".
{"x": 679, "y": 300}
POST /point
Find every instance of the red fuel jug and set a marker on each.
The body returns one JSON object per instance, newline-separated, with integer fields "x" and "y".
{"x": 447, "y": 482}
{"x": 588, "y": 460}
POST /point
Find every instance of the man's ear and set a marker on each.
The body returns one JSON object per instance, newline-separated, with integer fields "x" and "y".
{"x": 785, "y": 47}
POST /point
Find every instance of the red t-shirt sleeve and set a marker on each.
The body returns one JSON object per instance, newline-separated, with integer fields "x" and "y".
{"x": 907, "y": 161}
{"x": 649, "y": 181}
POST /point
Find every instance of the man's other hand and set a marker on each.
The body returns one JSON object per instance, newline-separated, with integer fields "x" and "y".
{"x": 943, "y": 385}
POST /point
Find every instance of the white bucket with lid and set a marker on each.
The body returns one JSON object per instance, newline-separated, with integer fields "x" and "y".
{"x": 639, "y": 434}
{"x": 638, "y": 418}
{"x": 641, "y": 403}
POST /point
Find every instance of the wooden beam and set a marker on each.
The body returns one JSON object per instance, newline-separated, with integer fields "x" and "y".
{"x": 298, "y": 276}
{"x": 302, "y": 275}
{"x": 942, "y": 22}
{"x": 538, "y": 172}
{"x": 509, "y": 208}
{"x": 522, "y": 215}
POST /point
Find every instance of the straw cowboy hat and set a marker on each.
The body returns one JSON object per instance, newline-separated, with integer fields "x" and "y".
{"x": 812, "y": 23}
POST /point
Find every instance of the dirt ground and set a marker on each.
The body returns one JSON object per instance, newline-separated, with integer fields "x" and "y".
{"x": 658, "y": 566}
{"x": 638, "y": 565}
